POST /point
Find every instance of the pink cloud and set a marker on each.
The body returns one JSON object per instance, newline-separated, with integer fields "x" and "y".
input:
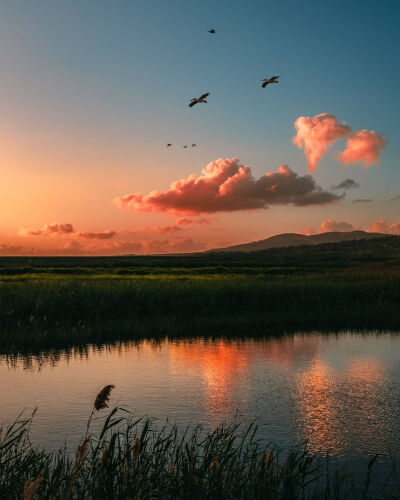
{"x": 152, "y": 230}
{"x": 331, "y": 225}
{"x": 184, "y": 221}
{"x": 155, "y": 246}
{"x": 315, "y": 134}
{"x": 225, "y": 185}
{"x": 328, "y": 226}
{"x": 364, "y": 146}
{"x": 66, "y": 229}
{"x": 102, "y": 235}
{"x": 307, "y": 231}
{"x": 48, "y": 229}
{"x": 10, "y": 249}
{"x": 382, "y": 226}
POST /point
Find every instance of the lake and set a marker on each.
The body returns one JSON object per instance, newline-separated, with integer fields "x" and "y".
{"x": 340, "y": 392}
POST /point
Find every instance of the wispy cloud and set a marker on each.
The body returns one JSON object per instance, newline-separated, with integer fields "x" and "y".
{"x": 226, "y": 185}
{"x": 347, "y": 184}
{"x": 67, "y": 230}
{"x": 178, "y": 226}
{"x": 101, "y": 235}
{"x": 363, "y": 200}
{"x": 48, "y": 229}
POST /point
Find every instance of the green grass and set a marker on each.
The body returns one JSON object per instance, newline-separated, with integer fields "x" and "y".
{"x": 57, "y": 301}
{"x": 133, "y": 459}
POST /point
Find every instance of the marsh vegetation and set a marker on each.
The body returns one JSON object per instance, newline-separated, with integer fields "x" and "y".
{"x": 53, "y": 301}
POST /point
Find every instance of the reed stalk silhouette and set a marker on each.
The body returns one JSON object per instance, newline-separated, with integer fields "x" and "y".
{"x": 131, "y": 458}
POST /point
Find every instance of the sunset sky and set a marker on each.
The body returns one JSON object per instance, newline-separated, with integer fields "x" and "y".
{"x": 91, "y": 92}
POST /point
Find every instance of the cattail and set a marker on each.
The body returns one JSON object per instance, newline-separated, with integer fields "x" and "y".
{"x": 266, "y": 456}
{"x": 214, "y": 466}
{"x": 82, "y": 450}
{"x": 32, "y": 485}
{"x": 103, "y": 397}
{"x": 105, "y": 453}
{"x": 135, "y": 448}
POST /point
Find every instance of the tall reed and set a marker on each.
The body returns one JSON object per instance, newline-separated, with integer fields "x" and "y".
{"x": 132, "y": 458}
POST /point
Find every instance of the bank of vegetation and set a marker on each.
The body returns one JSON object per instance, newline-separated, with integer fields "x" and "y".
{"x": 53, "y": 301}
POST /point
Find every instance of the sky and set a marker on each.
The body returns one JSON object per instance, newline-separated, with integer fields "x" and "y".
{"x": 92, "y": 92}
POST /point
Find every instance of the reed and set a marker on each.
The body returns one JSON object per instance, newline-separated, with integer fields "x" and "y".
{"x": 132, "y": 458}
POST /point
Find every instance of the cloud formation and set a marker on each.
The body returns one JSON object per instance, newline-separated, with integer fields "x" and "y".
{"x": 364, "y": 146}
{"x": 315, "y": 134}
{"x": 54, "y": 228}
{"x": 347, "y": 184}
{"x": 101, "y": 235}
{"x": 67, "y": 229}
{"x": 331, "y": 225}
{"x": 226, "y": 186}
{"x": 176, "y": 227}
{"x": 363, "y": 200}
{"x": 382, "y": 226}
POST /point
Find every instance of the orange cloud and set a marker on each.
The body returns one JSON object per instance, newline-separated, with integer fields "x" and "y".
{"x": 48, "y": 229}
{"x": 9, "y": 249}
{"x": 67, "y": 229}
{"x": 316, "y": 134}
{"x": 172, "y": 228}
{"x": 102, "y": 235}
{"x": 154, "y": 246}
{"x": 328, "y": 226}
{"x": 331, "y": 225}
{"x": 364, "y": 146}
{"x": 152, "y": 229}
{"x": 382, "y": 226}
{"x": 225, "y": 185}
{"x": 184, "y": 221}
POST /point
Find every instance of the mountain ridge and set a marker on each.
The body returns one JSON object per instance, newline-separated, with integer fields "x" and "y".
{"x": 296, "y": 239}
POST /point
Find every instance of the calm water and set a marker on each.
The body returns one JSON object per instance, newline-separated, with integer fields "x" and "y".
{"x": 339, "y": 392}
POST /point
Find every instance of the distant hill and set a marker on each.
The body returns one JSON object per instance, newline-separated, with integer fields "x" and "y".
{"x": 294, "y": 239}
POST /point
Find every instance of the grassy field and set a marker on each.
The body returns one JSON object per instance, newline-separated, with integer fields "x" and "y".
{"x": 133, "y": 459}
{"x": 54, "y": 301}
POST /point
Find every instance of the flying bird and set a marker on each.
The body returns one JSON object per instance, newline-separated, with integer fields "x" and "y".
{"x": 184, "y": 147}
{"x": 196, "y": 100}
{"x": 194, "y": 145}
{"x": 266, "y": 81}
{"x": 212, "y": 31}
{"x": 169, "y": 145}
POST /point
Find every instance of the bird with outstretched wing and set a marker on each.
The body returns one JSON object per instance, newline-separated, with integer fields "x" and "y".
{"x": 267, "y": 81}
{"x": 196, "y": 100}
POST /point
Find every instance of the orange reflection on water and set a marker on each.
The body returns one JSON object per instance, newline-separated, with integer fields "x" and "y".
{"x": 317, "y": 406}
{"x": 225, "y": 366}
{"x": 220, "y": 365}
{"x": 337, "y": 409}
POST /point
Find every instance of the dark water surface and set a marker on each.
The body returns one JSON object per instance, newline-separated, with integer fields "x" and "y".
{"x": 340, "y": 392}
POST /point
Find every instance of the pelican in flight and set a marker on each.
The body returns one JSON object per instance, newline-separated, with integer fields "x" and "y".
{"x": 212, "y": 31}
{"x": 266, "y": 81}
{"x": 196, "y": 100}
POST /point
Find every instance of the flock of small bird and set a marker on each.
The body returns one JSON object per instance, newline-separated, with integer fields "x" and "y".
{"x": 203, "y": 97}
